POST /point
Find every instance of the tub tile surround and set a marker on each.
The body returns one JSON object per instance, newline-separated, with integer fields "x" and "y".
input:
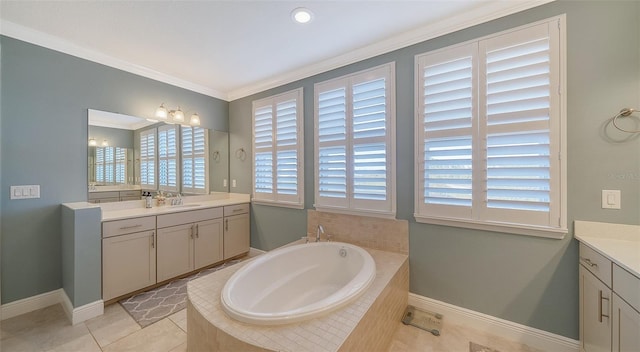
{"x": 369, "y": 232}
{"x": 371, "y": 320}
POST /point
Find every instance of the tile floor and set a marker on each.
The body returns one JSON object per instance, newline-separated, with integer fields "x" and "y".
{"x": 49, "y": 330}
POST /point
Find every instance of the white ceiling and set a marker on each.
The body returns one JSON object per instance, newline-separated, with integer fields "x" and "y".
{"x": 231, "y": 49}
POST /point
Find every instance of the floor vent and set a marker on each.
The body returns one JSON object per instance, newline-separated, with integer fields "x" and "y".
{"x": 428, "y": 321}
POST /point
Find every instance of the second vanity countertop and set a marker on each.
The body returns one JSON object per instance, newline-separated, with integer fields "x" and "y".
{"x": 134, "y": 209}
{"x": 619, "y": 243}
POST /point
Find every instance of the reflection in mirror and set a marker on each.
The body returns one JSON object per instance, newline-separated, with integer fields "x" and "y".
{"x": 218, "y": 161}
{"x": 114, "y": 157}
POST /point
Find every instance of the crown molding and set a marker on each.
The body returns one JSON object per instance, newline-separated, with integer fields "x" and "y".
{"x": 488, "y": 12}
{"x": 48, "y": 41}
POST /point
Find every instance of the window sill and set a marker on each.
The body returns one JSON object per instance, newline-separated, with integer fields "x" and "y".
{"x": 536, "y": 231}
{"x": 373, "y": 214}
{"x": 277, "y": 204}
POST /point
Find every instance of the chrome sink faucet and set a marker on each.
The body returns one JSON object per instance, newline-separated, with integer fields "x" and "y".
{"x": 319, "y": 231}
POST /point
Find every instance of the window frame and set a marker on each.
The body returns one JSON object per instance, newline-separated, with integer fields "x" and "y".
{"x": 274, "y": 198}
{"x": 557, "y": 134}
{"x": 351, "y": 205}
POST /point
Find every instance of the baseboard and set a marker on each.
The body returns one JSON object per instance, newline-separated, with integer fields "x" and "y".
{"x": 80, "y": 314}
{"x": 532, "y": 337}
{"x": 255, "y": 251}
{"x": 30, "y": 304}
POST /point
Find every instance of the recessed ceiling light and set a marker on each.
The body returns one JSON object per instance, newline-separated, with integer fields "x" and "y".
{"x": 302, "y": 15}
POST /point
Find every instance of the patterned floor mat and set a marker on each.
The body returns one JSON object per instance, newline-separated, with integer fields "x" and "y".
{"x": 148, "y": 307}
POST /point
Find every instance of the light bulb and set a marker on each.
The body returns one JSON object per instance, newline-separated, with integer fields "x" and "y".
{"x": 161, "y": 112}
{"x": 92, "y": 142}
{"x": 178, "y": 115}
{"x": 195, "y": 120}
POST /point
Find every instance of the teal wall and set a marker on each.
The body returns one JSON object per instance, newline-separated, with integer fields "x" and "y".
{"x": 45, "y": 96}
{"x": 528, "y": 280}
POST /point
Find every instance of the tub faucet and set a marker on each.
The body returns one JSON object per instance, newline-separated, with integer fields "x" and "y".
{"x": 319, "y": 231}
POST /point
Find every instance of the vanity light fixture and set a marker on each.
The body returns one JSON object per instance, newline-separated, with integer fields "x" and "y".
{"x": 92, "y": 142}
{"x": 175, "y": 116}
{"x": 302, "y": 15}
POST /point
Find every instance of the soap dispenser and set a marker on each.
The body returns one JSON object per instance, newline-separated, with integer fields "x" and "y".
{"x": 147, "y": 200}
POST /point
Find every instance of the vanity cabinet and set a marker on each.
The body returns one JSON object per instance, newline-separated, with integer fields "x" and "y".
{"x": 188, "y": 241}
{"x": 128, "y": 256}
{"x": 609, "y": 305}
{"x": 114, "y": 196}
{"x": 237, "y": 227}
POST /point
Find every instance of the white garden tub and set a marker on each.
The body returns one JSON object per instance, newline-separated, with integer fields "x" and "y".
{"x": 298, "y": 282}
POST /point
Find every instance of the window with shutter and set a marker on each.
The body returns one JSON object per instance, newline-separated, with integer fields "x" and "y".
{"x": 489, "y": 122}
{"x": 277, "y": 150}
{"x": 110, "y": 165}
{"x": 168, "y": 158}
{"x": 148, "y": 159}
{"x": 195, "y": 147}
{"x": 355, "y": 143}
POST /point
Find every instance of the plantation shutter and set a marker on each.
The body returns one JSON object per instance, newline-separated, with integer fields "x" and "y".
{"x": 168, "y": 158}
{"x": 277, "y": 149}
{"x": 331, "y": 141}
{"x": 354, "y": 142}
{"x": 147, "y": 159}
{"x": 489, "y": 120}
{"x": 447, "y": 107}
{"x": 194, "y": 161}
{"x": 120, "y": 165}
{"x": 263, "y": 152}
{"x": 521, "y": 154}
{"x": 287, "y": 150}
{"x": 100, "y": 178}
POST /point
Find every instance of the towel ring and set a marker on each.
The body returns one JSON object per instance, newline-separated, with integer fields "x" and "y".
{"x": 624, "y": 113}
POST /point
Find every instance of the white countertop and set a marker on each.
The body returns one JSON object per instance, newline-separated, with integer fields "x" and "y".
{"x": 620, "y": 243}
{"x": 135, "y": 208}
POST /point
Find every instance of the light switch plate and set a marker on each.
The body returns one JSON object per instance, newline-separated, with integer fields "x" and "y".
{"x": 25, "y": 192}
{"x": 610, "y": 199}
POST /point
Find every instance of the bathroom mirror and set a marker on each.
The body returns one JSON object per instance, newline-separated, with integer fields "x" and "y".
{"x": 113, "y": 154}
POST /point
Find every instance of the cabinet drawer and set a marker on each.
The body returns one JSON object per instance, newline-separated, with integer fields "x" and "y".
{"x": 187, "y": 217}
{"x": 100, "y": 195}
{"x": 627, "y": 286}
{"x": 596, "y": 263}
{"x": 236, "y": 209}
{"x": 121, "y": 227}
{"x": 130, "y": 194}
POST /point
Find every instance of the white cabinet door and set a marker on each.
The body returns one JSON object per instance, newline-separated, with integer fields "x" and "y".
{"x": 595, "y": 312}
{"x": 208, "y": 243}
{"x": 128, "y": 263}
{"x": 175, "y": 251}
{"x": 236, "y": 235}
{"x": 626, "y": 326}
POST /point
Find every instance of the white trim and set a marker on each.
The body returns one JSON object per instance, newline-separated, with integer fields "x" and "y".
{"x": 29, "y": 35}
{"x": 539, "y": 231}
{"x": 80, "y": 314}
{"x": 532, "y": 337}
{"x": 29, "y": 304}
{"x": 277, "y": 204}
{"x": 487, "y": 12}
{"x": 255, "y": 251}
{"x": 43, "y": 300}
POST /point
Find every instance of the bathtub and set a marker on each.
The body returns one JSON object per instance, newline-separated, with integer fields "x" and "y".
{"x": 297, "y": 283}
